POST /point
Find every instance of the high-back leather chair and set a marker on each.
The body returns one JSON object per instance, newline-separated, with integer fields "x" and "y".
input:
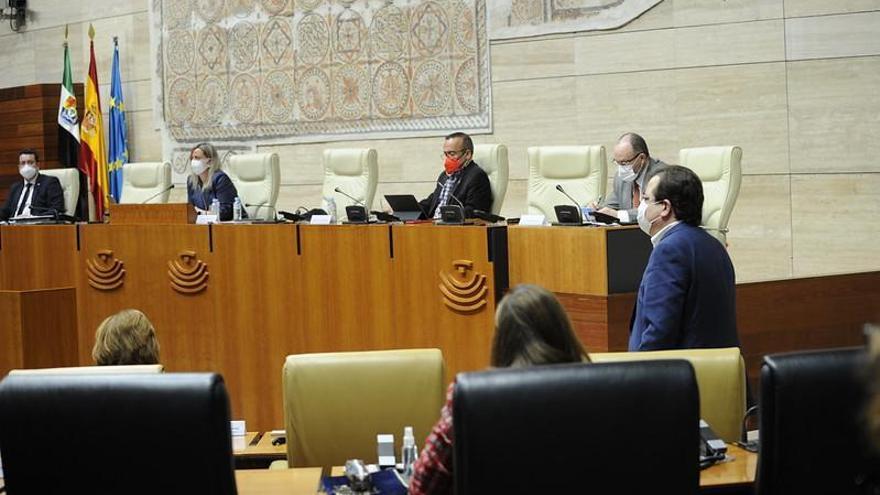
{"x": 810, "y": 421}
{"x": 721, "y": 378}
{"x": 336, "y": 403}
{"x": 492, "y": 158}
{"x": 69, "y": 179}
{"x": 142, "y": 181}
{"x": 354, "y": 171}
{"x": 112, "y": 434}
{"x": 720, "y": 170}
{"x": 257, "y": 179}
{"x": 572, "y": 428}
{"x": 581, "y": 170}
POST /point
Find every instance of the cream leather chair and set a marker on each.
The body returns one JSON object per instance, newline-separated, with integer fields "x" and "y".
{"x": 92, "y": 370}
{"x": 355, "y": 171}
{"x": 140, "y": 181}
{"x": 492, "y": 158}
{"x": 719, "y": 167}
{"x": 581, "y": 171}
{"x": 721, "y": 378}
{"x": 257, "y": 178}
{"x": 336, "y": 403}
{"x": 69, "y": 178}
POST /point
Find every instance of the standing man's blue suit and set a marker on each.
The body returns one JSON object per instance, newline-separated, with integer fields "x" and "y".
{"x": 687, "y": 298}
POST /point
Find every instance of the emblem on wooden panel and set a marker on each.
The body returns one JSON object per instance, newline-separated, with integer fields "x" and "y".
{"x": 463, "y": 289}
{"x": 104, "y": 271}
{"x": 188, "y": 274}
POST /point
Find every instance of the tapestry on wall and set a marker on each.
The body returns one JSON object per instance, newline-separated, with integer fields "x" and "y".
{"x": 520, "y": 18}
{"x": 310, "y": 70}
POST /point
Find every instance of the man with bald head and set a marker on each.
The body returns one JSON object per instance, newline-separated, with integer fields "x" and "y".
{"x": 634, "y": 167}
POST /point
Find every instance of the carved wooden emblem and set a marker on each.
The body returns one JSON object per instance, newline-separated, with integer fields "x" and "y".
{"x": 188, "y": 274}
{"x": 463, "y": 289}
{"x": 105, "y": 272}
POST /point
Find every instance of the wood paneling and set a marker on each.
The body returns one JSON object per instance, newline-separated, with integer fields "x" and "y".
{"x": 600, "y": 322}
{"x": 37, "y": 329}
{"x": 37, "y": 256}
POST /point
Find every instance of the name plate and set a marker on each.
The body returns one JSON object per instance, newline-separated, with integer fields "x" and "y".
{"x": 532, "y": 220}
{"x": 238, "y": 428}
{"x": 206, "y": 219}
{"x": 320, "y": 220}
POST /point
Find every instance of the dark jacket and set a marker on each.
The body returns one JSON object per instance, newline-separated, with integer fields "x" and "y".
{"x": 687, "y": 297}
{"x": 222, "y": 188}
{"x": 472, "y": 190}
{"x": 47, "y": 196}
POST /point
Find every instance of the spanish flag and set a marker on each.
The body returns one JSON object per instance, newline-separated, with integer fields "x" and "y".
{"x": 93, "y": 149}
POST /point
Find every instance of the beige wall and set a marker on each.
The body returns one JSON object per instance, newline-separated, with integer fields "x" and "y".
{"x": 793, "y": 82}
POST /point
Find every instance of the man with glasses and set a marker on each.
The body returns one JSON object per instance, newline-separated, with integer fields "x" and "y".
{"x": 36, "y": 194}
{"x": 687, "y": 296}
{"x": 634, "y": 167}
{"x": 462, "y": 183}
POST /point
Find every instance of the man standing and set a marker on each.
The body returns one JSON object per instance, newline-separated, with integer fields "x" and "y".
{"x": 634, "y": 166}
{"x": 37, "y": 194}
{"x": 687, "y": 297}
{"x": 462, "y": 181}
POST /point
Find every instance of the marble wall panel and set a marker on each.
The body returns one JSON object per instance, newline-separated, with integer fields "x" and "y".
{"x": 723, "y": 44}
{"x": 846, "y": 35}
{"x": 533, "y": 59}
{"x": 802, "y": 8}
{"x": 700, "y": 12}
{"x": 834, "y": 114}
{"x": 834, "y": 223}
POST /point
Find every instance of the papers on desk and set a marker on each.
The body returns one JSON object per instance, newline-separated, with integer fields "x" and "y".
{"x": 385, "y": 482}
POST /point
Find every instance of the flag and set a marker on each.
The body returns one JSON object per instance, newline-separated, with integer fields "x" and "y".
{"x": 92, "y": 150}
{"x": 118, "y": 140}
{"x": 68, "y": 129}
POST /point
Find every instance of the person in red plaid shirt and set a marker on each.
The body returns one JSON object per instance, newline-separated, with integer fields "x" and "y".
{"x": 531, "y": 328}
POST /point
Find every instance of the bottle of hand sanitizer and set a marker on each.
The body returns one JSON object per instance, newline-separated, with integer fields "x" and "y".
{"x": 409, "y": 453}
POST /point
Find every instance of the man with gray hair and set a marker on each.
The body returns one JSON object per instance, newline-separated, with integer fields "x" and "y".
{"x": 634, "y": 167}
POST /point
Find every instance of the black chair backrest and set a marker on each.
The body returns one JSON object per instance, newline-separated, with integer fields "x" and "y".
{"x": 113, "y": 434}
{"x": 811, "y": 410}
{"x": 632, "y": 426}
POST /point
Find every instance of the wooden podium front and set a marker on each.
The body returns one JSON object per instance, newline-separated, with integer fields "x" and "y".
{"x": 152, "y": 214}
{"x": 594, "y": 271}
{"x": 37, "y": 329}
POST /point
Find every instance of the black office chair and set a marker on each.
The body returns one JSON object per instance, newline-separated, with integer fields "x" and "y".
{"x": 623, "y": 428}
{"x": 812, "y": 439}
{"x": 113, "y": 434}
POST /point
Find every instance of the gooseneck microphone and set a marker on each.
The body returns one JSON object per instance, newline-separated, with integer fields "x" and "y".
{"x": 580, "y": 213}
{"x": 157, "y": 194}
{"x": 349, "y": 196}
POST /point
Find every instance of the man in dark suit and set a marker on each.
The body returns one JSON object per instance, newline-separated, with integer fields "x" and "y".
{"x": 461, "y": 181}
{"x": 36, "y": 195}
{"x": 687, "y": 297}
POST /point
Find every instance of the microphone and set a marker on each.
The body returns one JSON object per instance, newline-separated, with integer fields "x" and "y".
{"x": 580, "y": 213}
{"x": 349, "y": 196}
{"x": 460, "y": 204}
{"x": 260, "y": 205}
{"x": 356, "y": 213}
{"x": 157, "y": 194}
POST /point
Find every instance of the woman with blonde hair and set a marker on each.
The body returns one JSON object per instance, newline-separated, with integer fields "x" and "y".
{"x": 127, "y": 337}
{"x": 531, "y": 329}
{"x": 207, "y": 182}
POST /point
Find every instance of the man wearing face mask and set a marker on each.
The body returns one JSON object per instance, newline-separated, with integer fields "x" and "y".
{"x": 36, "y": 194}
{"x": 461, "y": 181}
{"x": 687, "y": 297}
{"x": 634, "y": 165}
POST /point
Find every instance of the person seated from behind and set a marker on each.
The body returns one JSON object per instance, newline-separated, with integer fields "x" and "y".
{"x": 125, "y": 338}
{"x": 531, "y": 328}
{"x": 207, "y": 182}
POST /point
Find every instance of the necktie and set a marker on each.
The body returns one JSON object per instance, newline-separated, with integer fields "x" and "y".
{"x": 637, "y": 197}
{"x": 27, "y": 193}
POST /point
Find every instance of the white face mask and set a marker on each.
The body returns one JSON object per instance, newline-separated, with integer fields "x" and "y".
{"x": 27, "y": 171}
{"x": 198, "y": 166}
{"x": 626, "y": 174}
{"x": 644, "y": 223}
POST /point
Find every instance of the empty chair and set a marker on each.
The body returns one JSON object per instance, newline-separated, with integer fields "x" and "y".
{"x": 492, "y": 158}
{"x": 571, "y": 428}
{"x": 112, "y": 434}
{"x": 336, "y": 403}
{"x": 355, "y": 172}
{"x": 69, "y": 178}
{"x": 580, "y": 170}
{"x": 147, "y": 181}
{"x": 810, "y": 421}
{"x": 257, "y": 178}
{"x": 720, "y": 170}
{"x": 721, "y": 378}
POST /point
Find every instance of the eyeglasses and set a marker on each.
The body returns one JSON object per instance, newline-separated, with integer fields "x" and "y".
{"x": 454, "y": 153}
{"x": 625, "y": 163}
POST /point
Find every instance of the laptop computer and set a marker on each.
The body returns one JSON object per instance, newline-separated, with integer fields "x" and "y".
{"x": 405, "y": 207}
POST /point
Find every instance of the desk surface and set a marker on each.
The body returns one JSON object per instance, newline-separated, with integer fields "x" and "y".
{"x": 255, "y": 444}
{"x": 297, "y": 481}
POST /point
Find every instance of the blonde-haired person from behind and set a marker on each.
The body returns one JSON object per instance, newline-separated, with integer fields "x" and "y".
{"x": 126, "y": 338}
{"x": 531, "y": 329}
